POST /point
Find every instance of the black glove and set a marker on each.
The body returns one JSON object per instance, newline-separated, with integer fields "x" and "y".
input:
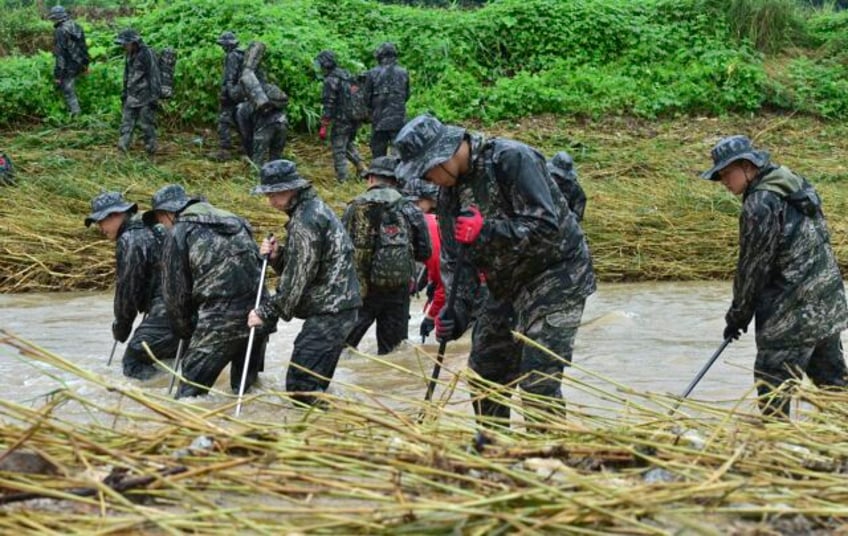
{"x": 451, "y": 325}
{"x": 427, "y": 325}
{"x": 121, "y": 332}
{"x": 733, "y": 332}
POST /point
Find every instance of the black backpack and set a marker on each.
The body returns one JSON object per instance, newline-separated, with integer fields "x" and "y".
{"x": 356, "y": 101}
{"x": 167, "y": 60}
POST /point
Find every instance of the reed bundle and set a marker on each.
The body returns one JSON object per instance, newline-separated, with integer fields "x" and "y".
{"x": 367, "y": 464}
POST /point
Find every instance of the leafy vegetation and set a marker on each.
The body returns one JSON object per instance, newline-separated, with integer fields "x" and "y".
{"x": 505, "y": 60}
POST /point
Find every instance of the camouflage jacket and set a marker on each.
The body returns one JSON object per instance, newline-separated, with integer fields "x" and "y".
{"x": 138, "y": 288}
{"x": 786, "y": 276}
{"x": 336, "y": 106}
{"x": 387, "y": 90}
{"x": 362, "y": 229}
{"x": 574, "y": 194}
{"x": 212, "y": 268}
{"x": 69, "y": 50}
{"x": 231, "y": 91}
{"x": 315, "y": 265}
{"x": 531, "y": 248}
{"x": 142, "y": 84}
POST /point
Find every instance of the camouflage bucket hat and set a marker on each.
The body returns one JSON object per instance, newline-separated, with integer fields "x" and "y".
{"x": 108, "y": 203}
{"x": 279, "y": 176}
{"x": 57, "y": 13}
{"x": 383, "y": 166}
{"x": 732, "y": 149}
{"x": 561, "y": 164}
{"x": 169, "y": 198}
{"x": 127, "y": 36}
{"x": 424, "y": 143}
{"x": 227, "y": 38}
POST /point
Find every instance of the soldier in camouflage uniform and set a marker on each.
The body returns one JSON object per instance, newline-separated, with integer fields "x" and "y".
{"x": 138, "y": 289}
{"x": 212, "y": 269}
{"x": 387, "y": 90}
{"x": 500, "y": 206}
{"x": 561, "y": 168}
{"x": 385, "y": 300}
{"x": 786, "y": 277}
{"x": 231, "y": 93}
{"x": 337, "y": 112}
{"x": 71, "y": 54}
{"x": 317, "y": 279}
{"x": 141, "y": 90}
{"x": 269, "y": 127}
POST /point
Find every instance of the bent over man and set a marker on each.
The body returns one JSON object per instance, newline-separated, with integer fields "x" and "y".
{"x": 786, "y": 276}
{"x": 500, "y": 211}
{"x": 138, "y": 288}
{"x": 317, "y": 280}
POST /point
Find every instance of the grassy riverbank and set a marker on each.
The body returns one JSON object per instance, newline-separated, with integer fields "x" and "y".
{"x": 648, "y": 216}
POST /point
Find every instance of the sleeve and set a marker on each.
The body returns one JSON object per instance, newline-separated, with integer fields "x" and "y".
{"x": 534, "y": 223}
{"x": 59, "y": 44}
{"x": 177, "y": 282}
{"x": 330, "y": 97}
{"x": 577, "y": 201}
{"x": 455, "y": 263}
{"x": 131, "y": 284}
{"x": 759, "y": 236}
{"x": 302, "y": 258}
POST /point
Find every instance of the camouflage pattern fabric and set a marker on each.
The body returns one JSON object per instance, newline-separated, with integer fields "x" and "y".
{"x": 71, "y": 58}
{"x": 212, "y": 269}
{"x": 823, "y": 362}
{"x": 316, "y": 353}
{"x": 387, "y": 90}
{"x": 336, "y": 107}
{"x": 269, "y": 130}
{"x": 140, "y": 91}
{"x": 209, "y": 352}
{"x": 145, "y": 118}
{"x": 786, "y": 276}
{"x": 316, "y": 270}
{"x": 343, "y": 146}
{"x": 380, "y": 141}
{"x": 389, "y": 308}
{"x": 138, "y": 290}
{"x": 230, "y": 96}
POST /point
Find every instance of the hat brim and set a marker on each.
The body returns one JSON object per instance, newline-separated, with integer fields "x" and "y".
{"x": 758, "y": 158}
{"x": 441, "y": 150}
{"x": 296, "y": 184}
{"x": 100, "y": 215}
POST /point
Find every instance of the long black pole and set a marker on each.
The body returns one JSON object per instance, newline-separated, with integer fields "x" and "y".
{"x": 443, "y": 344}
{"x": 702, "y": 372}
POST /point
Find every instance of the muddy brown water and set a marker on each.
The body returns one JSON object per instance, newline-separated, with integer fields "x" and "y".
{"x": 649, "y": 337}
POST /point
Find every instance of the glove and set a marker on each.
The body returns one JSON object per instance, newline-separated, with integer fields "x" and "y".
{"x": 733, "y": 332}
{"x": 322, "y": 131}
{"x": 427, "y": 325}
{"x": 120, "y": 332}
{"x": 468, "y": 225}
{"x": 450, "y": 325}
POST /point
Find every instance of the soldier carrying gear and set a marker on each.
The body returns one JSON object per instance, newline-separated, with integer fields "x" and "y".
{"x": 337, "y": 114}
{"x": 71, "y": 54}
{"x": 138, "y": 289}
{"x": 212, "y": 267}
{"x": 787, "y": 276}
{"x": 389, "y": 234}
{"x": 317, "y": 279}
{"x": 269, "y": 126}
{"x": 561, "y": 168}
{"x": 231, "y": 93}
{"x": 499, "y": 204}
{"x": 141, "y": 90}
{"x": 386, "y": 90}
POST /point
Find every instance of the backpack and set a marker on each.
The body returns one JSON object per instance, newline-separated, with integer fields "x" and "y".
{"x": 7, "y": 173}
{"x": 355, "y": 98}
{"x": 392, "y": 264}
{"x": 167, "y": 60}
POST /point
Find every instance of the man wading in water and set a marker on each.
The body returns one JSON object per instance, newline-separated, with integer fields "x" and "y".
{"x": 786, "y": 276}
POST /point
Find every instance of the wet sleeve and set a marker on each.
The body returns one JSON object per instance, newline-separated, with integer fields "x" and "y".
{"x": 131, "y": 283}
{"x": 533, "y": 227}
{"x": 177, "y": 283}
{"x": 759, "y": 236}
{"x": 577, "y": 200}
{"x": 302, "y": 257}
{"x": 329, "y": 98}
{"x": 59, "y": 44}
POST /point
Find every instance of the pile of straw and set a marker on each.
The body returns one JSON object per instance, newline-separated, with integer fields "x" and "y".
{"x": 372, "y": 463}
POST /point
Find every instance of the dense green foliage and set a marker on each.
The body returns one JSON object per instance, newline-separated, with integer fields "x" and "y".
{"x": 508, "y": 59}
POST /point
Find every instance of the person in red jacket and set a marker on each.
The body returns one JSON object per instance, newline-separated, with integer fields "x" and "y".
{"x": 425, "y": 195}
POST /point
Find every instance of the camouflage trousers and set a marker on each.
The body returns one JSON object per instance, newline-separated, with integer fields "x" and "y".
{"x": 390, "y": 309}
{"x": 499, "y": 359}
{"x": 210, "y": 350}
{"x": 226, "y": 121}
{"x": 343, "y": 144}
{"x": 823, "y": 362}
{"x": 145, "y": 118}
{"x": 380, "y": 140}
{"x": 316, "y": 353}
{"x": 268, "y": 143}
{"x": 67, "y": 87}
{"x": 156, "y": 332}
{"x": 244, "y": 122}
